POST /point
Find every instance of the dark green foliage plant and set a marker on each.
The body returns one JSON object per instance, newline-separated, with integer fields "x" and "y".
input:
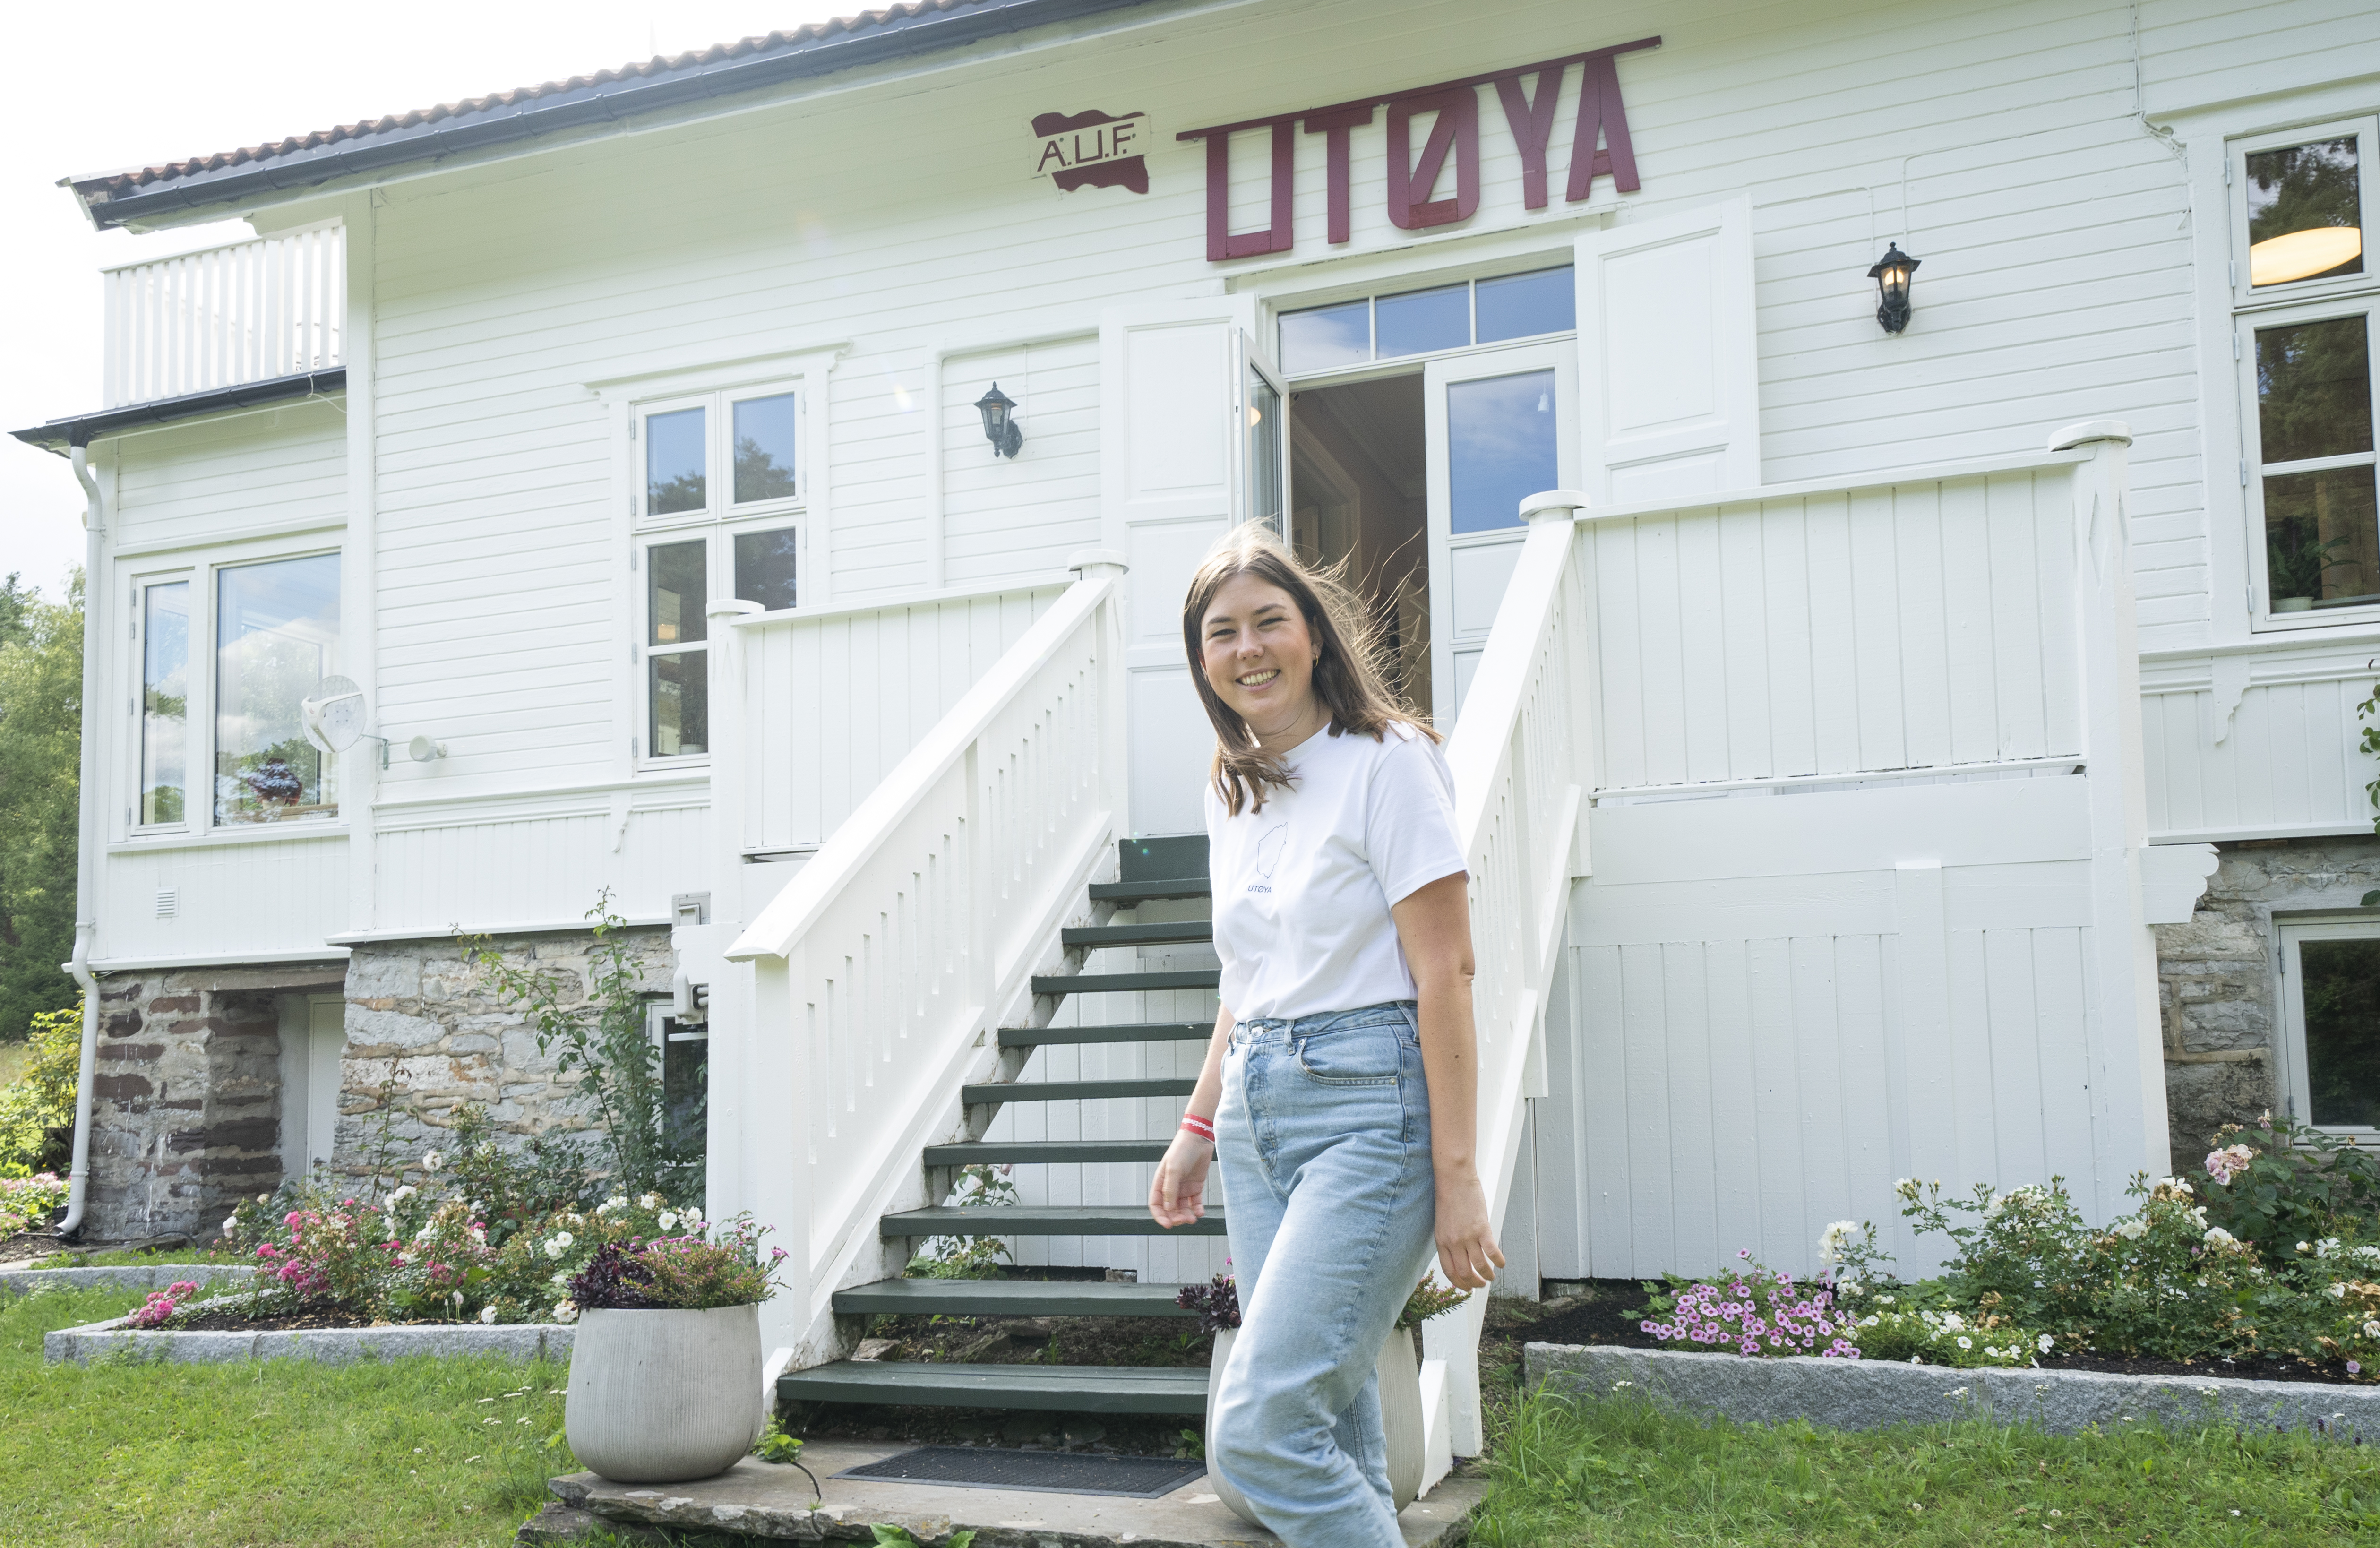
{"x": 2274, "y": 1183}
{"x": 592, "y": 1026}
{"x": 982, "y": 1185}
{"x": 41, "y": 771}
{"x": 37, "y": 1110}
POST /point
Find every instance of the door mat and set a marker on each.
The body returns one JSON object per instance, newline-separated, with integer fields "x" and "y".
{"x": 1039, "y": 1472}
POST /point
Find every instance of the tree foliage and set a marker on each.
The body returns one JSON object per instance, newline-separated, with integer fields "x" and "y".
{"x": 40, "y": 750}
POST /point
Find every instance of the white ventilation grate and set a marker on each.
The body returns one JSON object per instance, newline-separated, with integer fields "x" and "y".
{"x": 169, "y": 901}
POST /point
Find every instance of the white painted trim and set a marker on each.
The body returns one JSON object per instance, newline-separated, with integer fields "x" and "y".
{"x": 206, "y": 838}
{"x": 693, "y": 376}
{"x": 1057, "y": 581}
{"x": 2241, "y": 836}
{"x": 2073, "y": 763}
{"x": 1982, "y": 467}
{"x": 242, "y": 959}
{"x": 541, "y": 927}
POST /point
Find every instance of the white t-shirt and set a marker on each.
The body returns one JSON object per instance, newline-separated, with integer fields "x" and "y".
{"x": 1302, "y": 889}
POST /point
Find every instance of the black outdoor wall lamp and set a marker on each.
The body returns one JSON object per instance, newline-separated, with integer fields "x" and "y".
{"x": 1891, "y": 275}
{"x": 998, "y": 428}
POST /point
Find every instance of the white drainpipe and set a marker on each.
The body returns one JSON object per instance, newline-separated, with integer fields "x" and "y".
{"x": 96, "y": 588}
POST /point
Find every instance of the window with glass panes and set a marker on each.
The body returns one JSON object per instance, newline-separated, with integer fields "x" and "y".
{"x": 1426, "y": 322}
{"x": 2308, "y": 304}
{"x": 2330, "y": 1017}
{"x": 718, "y": 514}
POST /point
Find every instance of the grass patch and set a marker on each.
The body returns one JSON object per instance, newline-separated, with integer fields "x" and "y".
{"x": 116, "y": 1258}
{"x": 1618, "y": 1471}
{"x": 130, "y": 1454}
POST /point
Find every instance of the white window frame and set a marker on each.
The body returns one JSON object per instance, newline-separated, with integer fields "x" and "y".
{"x": 716, "y": 524}
{"x": 2254, "y": 470}
{"x": 203, "y": 570}
{"x": 659, "y": 1015}
{"x": 2366, "y": 129}
{"x": 2296, "y": 1083}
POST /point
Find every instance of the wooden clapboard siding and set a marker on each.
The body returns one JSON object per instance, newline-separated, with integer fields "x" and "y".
{"x": 1917, "y": 625}
{"x": 272, "y": 471}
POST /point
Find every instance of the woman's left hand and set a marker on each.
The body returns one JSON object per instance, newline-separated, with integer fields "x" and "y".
{"x": 1466, "y": 1241}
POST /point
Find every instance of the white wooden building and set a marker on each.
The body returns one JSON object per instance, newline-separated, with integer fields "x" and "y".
{"x": 1835, "y": 711}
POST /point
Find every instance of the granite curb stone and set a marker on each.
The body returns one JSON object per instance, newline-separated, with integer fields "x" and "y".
{"x": 127, "y": 1276}
{"x": 524, "y": 1341}
{"x": 1866, "y": 1395}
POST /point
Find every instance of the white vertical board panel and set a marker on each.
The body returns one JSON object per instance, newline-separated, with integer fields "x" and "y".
{"x": 250, "y": 896}
{"x": 1926, "y": 623}
{"x": 1167, "y": 458}
{"x": 2291, "y": 759}
{"x": 1669, "y": 375}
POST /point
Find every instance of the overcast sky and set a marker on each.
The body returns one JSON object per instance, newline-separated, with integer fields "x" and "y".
{"x": 136, "y": 82}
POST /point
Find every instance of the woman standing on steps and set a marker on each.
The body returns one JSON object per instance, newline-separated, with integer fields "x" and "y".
{"x": 1340, "y": 1089}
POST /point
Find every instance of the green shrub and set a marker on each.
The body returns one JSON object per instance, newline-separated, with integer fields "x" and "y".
{"x": 37, "y": 1111}
{"x": 2276, "y": 1183}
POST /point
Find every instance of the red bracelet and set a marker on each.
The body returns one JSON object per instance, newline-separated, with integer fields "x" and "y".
{"x": 1198, "y": 1126}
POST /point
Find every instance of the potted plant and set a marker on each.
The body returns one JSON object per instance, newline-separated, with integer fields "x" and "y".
{"x": 1398, "y": 1373}
{"x": 2297, "y": 569}
{"x": 665, "y": 1367}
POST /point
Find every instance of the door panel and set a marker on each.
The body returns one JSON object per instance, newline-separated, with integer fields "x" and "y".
{"x": 1668, "y": 378}
{"x": 1501, "y": 425}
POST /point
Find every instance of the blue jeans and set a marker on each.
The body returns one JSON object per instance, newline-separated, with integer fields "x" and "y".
{"x": 1323, "y": 1139}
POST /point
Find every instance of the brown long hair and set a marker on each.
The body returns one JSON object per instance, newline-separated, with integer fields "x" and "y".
{"x": 1347, "y": 675}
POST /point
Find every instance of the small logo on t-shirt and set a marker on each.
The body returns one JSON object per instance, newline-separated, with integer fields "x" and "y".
{"x": 1267, "y": 855}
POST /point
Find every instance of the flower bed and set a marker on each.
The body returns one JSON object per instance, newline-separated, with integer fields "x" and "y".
{"x": 2268, "y": 1265}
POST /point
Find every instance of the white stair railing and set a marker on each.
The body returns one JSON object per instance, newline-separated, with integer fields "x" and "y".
{"x": 226, "y": 316}
{"x": 1517, "y": 757}
{"x": 880, "y": 971}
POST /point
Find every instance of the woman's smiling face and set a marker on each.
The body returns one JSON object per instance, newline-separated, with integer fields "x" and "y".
{"x": 1259, "y": 655}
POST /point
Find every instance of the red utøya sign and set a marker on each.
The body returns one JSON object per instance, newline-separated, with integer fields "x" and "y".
{"x": 1599, "y": 145}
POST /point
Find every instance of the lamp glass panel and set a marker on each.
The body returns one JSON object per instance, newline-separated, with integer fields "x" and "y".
{"x": 276, "y": 636}
{"x": 1264, "y": 433}
{"x": 1504, "y": 443}
{"x": 1325, "y": 337}
{"x": 764, "y": 566}
{"x": 2305, "y": 214}
{"x": 676, "y": 460}
{"x": 2313, "y": 390}
{"x": 676, "y": 594}
{"x": 678, "y": 692}
{"x": 164, "y": 699}
{"x": 1521, "y": 306}
{"x": 1422, "y": 321}
{"x": 766, "y": 429}
{"x": 2322, "y": 543}
{"x": 2341, "y": 985}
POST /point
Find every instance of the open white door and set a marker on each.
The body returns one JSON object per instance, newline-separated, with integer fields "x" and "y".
{"x": 1500, "y": 427}
{"x": 1175, "y": 473}
{"x": 1668, "y": 367}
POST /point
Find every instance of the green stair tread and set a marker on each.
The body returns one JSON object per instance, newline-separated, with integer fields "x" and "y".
{"x": 1042, "y": 1220}
{"x": 1123, "y": 984}
{"x": 1138, "y": 934}
{"x": 1011, "y": 1298}
{"x": 1151, "y": 891}
{"x": 1005, "y": 1091}
{"x": 1131, "y": 1031}
{"x": 1044, "y": 1152}
{"x": 1093, "y": 1389}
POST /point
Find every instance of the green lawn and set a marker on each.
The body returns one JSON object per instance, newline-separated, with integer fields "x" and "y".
{"x": 420, "y": 1453}
{"x": 1616, "y": 1472}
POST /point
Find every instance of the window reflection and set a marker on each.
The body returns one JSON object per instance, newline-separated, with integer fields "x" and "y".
{"x": 676, "y": 594}
{"x": 764, "y": 566}
{"x": 2320, "y": 547}
{"x": 1422, "y": 321}
{"x": 164, "y": 699}
{"x": 676, "y": 463}
{"x": 765, "y": 432}
{"x": 276, "y": 636}
{"x": 2313, "y": 390}
{"x": 2341, "y": 984}
{"x": 1521, "y": 306}
{"x": 1503, "y": 446}
{"x": 1325, "y": 337}
{"x": 2305, "y": 216}
{"x": 679, "y": 692}
{"x": 1264, "y": 430}
{"x": 2314, "y": 401}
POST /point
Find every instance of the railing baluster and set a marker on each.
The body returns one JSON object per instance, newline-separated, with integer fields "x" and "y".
{"x": 224, "y": 316}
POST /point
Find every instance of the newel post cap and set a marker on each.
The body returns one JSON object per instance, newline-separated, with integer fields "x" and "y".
{"x": 2083, "y": 434}
{"x": 1553, "y": 504}
{"x": 1093, "y": 563}
{"x": 731, "y": 607}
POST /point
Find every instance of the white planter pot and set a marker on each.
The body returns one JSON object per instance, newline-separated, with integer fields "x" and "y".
{"x": 2293, "y": 604}
{"x": 664, "y": 1396}
{"x": 1401, "y": 1419}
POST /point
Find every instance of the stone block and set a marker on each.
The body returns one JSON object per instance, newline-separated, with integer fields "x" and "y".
{"x": 381, "y": 975}
{"x": 390, "y": 1030}
{"x": 120, "y": 1088}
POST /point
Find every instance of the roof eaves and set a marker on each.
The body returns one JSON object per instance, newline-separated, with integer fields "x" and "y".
{"x": 595, "y": 103}
{"x": 80, "y": 428}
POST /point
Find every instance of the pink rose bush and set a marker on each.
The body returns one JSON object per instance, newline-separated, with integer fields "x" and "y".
{"x": 162, "y": 1304}
{"x": 25, "y": 1202}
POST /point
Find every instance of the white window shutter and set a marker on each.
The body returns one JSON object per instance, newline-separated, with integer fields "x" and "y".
{"x": 1669, "y": 370}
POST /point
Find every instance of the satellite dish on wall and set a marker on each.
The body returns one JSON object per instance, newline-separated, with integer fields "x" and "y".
{"x": 333, "y": 714}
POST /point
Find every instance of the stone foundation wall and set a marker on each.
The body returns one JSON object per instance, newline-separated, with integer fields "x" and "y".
{"x": 186, "y": 1095}
{"x": 427, "y": 1034}
{"x": 2216, "y": 979}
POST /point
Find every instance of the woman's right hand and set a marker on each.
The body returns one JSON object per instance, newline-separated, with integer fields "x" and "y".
{"x": 1178, "y": 1194}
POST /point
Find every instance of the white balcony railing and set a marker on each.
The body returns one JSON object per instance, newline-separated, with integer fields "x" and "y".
{"x": 221, "y": 317}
